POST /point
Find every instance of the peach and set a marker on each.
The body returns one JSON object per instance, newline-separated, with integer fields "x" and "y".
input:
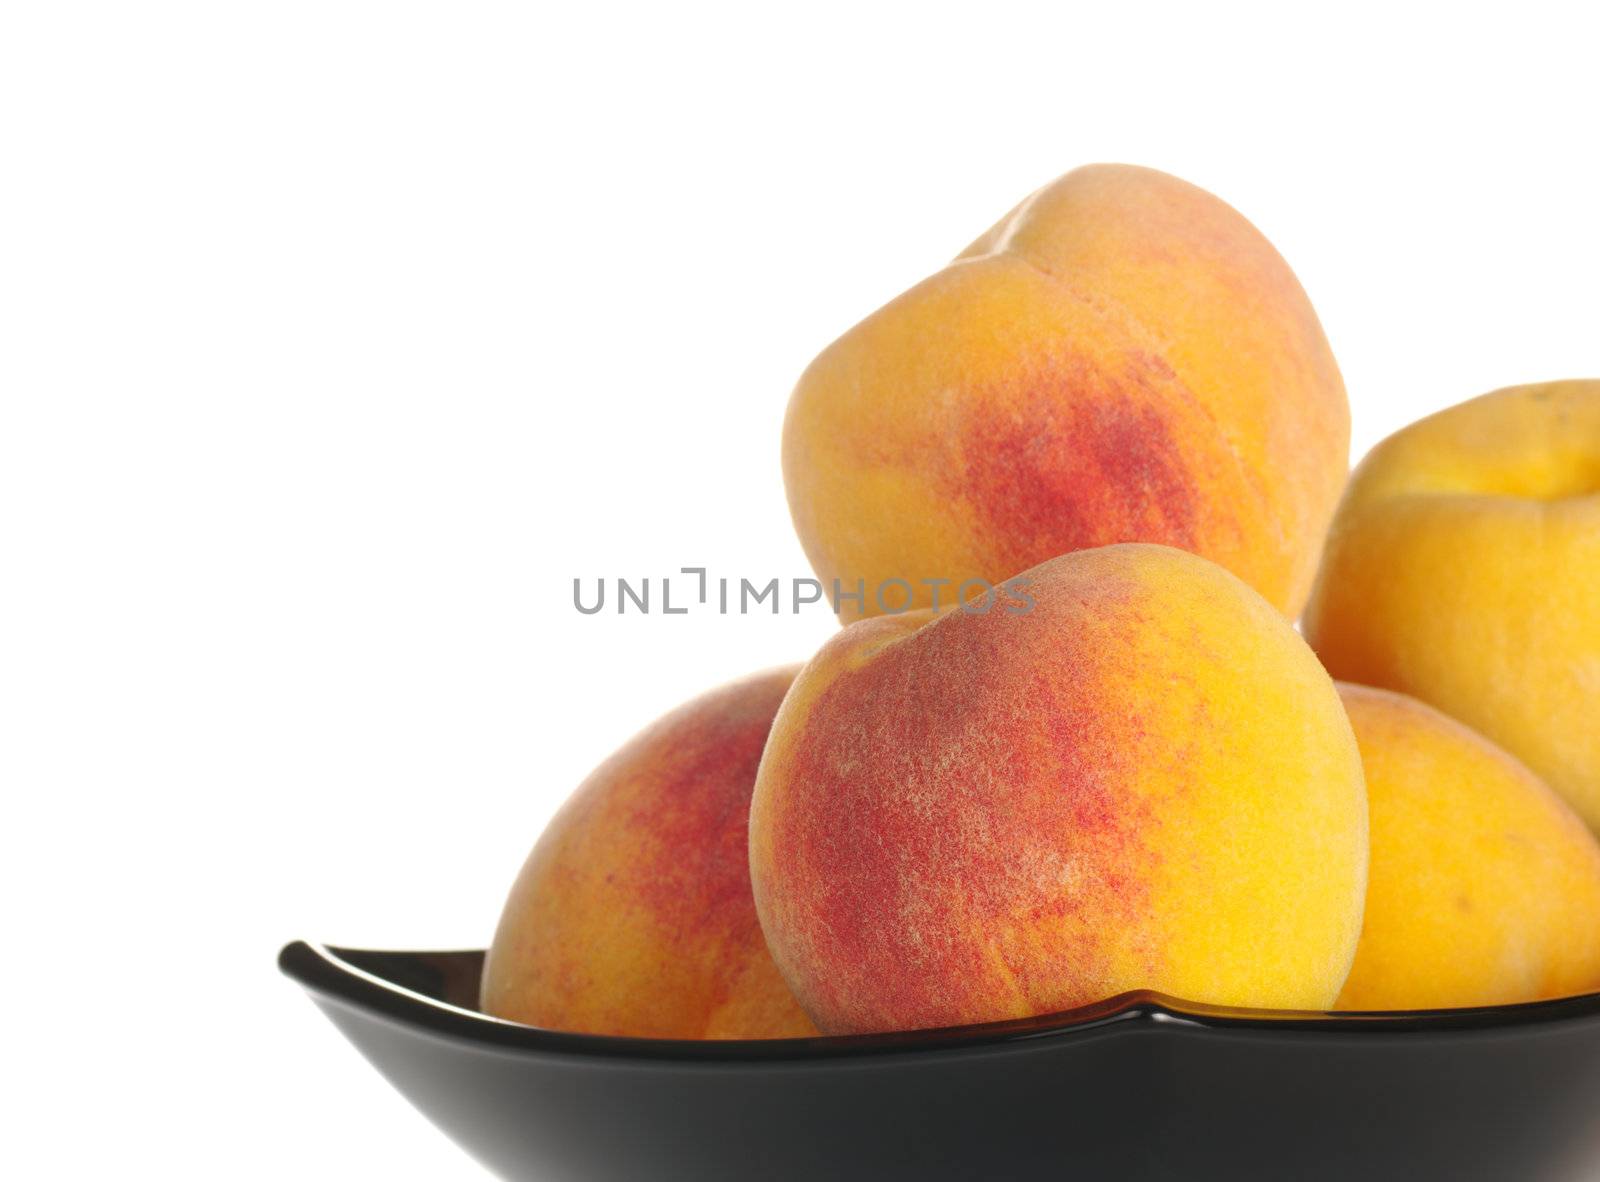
{"x": 633, "y": 915}
{"x": 1484, "y": 887}
{"x": 1128, "y": 772}
{"x": 1122, "y": 358}
{"x": 1463, "y": 568}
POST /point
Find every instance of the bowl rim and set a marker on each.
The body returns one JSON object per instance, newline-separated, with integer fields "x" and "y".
{"x": 329, "y": 973}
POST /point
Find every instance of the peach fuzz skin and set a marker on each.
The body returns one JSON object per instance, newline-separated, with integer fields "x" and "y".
{"x": 1463, "y": 568}
{"x": 1123, "y": 357}
{"x": 633, "y": 915}
{"x": 1146, "y": 781}
{"x": 1484, "y": 887}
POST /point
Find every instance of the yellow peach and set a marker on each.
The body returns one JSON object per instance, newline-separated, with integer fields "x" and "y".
{"x": 633, "y": 914}
{"x": 1483, "y": 887}
{"x": 1122, "y": 358}
{"x": 1463, "y": 568}
{"x": 1127, "y": 772}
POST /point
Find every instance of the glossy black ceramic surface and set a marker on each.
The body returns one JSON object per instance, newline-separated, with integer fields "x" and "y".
{"x": 1140, "y": 1087}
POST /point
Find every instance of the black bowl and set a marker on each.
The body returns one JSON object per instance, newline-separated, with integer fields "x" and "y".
{"x": 1140, "y": 1086}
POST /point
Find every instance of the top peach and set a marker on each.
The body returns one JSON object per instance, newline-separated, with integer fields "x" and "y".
{"x": 1123, "y": 357}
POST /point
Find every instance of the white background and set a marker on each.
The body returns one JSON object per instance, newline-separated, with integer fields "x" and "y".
{"x": 336, "y": 339}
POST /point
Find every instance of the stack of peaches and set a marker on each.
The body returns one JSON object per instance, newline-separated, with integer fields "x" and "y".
{"x": 1101, "y": 458}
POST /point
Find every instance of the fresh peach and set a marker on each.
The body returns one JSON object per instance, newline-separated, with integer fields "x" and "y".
{"x": 1122, "y": 358}
{"x": 1126, "y": 772}
{"x": 633, "y": 914}
{"x": 1463, "y": 568}
{"x": 1484, "y": 887}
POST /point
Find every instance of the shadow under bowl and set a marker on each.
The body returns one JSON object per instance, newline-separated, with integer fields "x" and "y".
{"x": 1140, "y": 1086}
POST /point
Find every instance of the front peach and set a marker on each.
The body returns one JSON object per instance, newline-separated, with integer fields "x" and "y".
{"x": 1145, "y": 780}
